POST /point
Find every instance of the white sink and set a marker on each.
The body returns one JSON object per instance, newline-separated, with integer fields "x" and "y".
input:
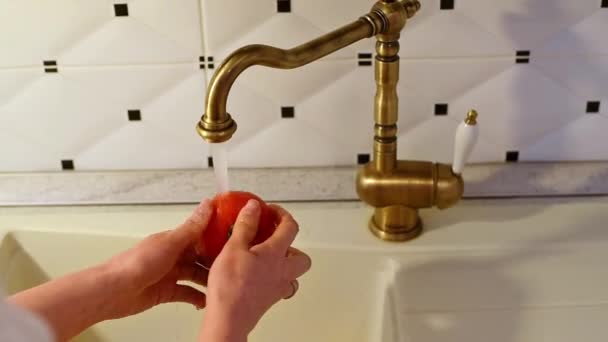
{"x": 339, "y": 300}
{"x": 500, "y": 271}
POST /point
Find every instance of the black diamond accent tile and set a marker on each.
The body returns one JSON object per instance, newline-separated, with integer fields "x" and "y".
{"x": 208, "y": 64}
{"x": 363, "y": 158}
{"x": 288, "y": 112}
{"x": 365, "y": 55}
{"x": 522, "y": 60}
{"x": 366, "y": 63}
{"x": 593, "y": 107}
{"x": 134, "y": 115}
{"x": 50, "y": 66}
{"x": 67, "y": 164}
{"x": 523, "y": 53}
{"x": 604, "y": 3}
{"x": 121, "y": 10}
{"x": 210, "y": 161}
{"x": 512, "y": 157}
{"x": 283, "y": 6}
{"x": 447, "y": 5}
{"x": 441, "y": 109}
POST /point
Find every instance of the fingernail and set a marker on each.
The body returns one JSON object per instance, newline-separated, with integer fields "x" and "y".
{"x": 251, "y": 207}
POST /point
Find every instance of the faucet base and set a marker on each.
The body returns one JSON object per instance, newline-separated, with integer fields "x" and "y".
{"x": 396, "y": 223}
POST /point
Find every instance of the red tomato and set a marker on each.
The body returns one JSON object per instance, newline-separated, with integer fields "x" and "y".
{"x": 226, "y": 208}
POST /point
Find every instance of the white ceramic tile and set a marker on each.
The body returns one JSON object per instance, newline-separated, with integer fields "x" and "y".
{"x": 519, "y": 106}
{"x": 450, "y": 34}
{"x": 441, "y": 80}
{"x": 252, "y": 110}
{"x": 19, "y": 154}
{"x": 176, "y": 20}
{"x": 176, "y": 111}
{"x": 77, "y": 108}
{"x": 33, "y": 31}
{"x": 296, "y": 85}
{"x": 230, "y": 25}
{"x": 584, "y": 139}
{"x": 61, "y": 114}
{"x": 340, "y": 13}
{"x": 226, "y": 21}
{"x": 256, "y": 98}
{"x": 144, "y": 145}
{"x": 524, "y": 24}
{"x": 15, "y": 81}
{"x": 586, "y": 76}
{"x": 433, "y": 140}
{"x": 131, "y": 87}
{"x": 158, "y": 31}
{"x": 149, "y": 39}
{"x": 586, "y": 37}
{"x": 344, "y": 109}
{"x": 291, "y": 142}
{"x": 166, "y": 137}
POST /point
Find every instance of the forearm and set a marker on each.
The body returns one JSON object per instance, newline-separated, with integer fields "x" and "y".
{"x": 72, "y": 303}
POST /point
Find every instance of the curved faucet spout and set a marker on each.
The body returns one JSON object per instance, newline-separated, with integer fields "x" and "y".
{"x": 216, "y": 125}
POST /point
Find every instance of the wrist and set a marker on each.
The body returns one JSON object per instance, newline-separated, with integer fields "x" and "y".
{"x": 221, "y": 326}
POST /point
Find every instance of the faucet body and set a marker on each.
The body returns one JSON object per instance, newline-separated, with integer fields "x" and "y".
{"x": 397, "y": 189}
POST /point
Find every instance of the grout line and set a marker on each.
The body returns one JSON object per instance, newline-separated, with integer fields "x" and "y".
{"x": 203, "y": 27}
{"x": 204, "y": 41}
{"x": 324, "y": 59}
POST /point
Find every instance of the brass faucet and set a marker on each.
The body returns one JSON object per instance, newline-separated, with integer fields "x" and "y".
{"x": 397, "y": 189}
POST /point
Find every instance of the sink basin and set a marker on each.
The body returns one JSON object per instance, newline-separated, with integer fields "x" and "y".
{"x": 502, "y": 271}
{"x": 340, "y": 299}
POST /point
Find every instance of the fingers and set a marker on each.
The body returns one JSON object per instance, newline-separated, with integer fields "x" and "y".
{"x": 285, "y": 233}
{"x": 193, "y": 273}
{"x": 246, "y": 225}
{"x": 187, "y": 294}
{"x": 297, "y": 264}
{"x": 291, "y": 289}
{"x": 190, "y": 231}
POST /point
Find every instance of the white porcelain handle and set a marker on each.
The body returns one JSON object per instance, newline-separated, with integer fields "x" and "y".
{"x": 466, "y": 138}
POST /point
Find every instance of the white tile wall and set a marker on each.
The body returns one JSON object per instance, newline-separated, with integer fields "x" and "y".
{"x": 149, "y": 61}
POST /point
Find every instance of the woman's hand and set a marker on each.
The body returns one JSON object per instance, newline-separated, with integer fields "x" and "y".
{"x": 129, "y": 283}
{"x": 147, "y": 274}
{"x": 246, "y": 281}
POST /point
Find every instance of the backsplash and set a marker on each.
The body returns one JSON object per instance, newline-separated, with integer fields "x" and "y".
{"x": 115, "y": 85}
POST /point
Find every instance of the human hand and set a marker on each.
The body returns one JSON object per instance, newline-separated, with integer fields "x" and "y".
{"x": 129, "y": 283}
{"x": 147, "y": 274}
{"x": 245, "y": 281}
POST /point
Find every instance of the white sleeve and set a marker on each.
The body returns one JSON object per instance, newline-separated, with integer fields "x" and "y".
{"x": 17, "y": 325}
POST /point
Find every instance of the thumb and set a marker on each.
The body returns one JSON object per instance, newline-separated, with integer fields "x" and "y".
{"x": 187, "y": 294}
{"x": 189, "y": 231}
